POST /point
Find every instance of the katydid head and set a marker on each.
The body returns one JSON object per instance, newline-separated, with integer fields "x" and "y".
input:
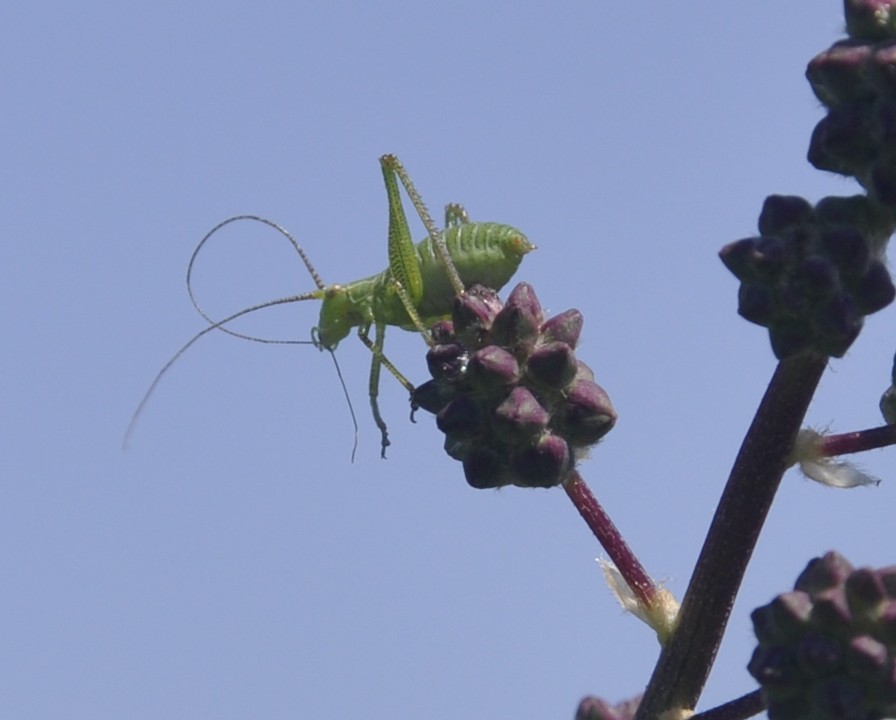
{"x": 338, "y": 316}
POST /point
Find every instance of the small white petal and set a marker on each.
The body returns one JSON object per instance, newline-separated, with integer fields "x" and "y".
{"x": 660, "y": 617}
{"x": 826, "y": 470}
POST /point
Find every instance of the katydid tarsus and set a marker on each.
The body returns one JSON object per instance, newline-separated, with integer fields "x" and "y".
{"x": 417, "y": 289}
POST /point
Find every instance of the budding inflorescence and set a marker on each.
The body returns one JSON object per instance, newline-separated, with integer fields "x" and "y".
{"x": 812, "y": 275}
{"x": 516, "y": 406}
{"x": 827, "y": 650}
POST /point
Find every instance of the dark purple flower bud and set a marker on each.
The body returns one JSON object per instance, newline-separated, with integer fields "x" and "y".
{"x": 474, "y": 312}
{"x": 431, "y": 396}
{"x": 865, "y": 591}
{"x": 552, "y": 365}
{"x": 771, "y": 257}
{"x": 583, "y": 372}
{"x": 784, "y": 619}
{"x": 446, "y": 362}
{"x": 824, "y": 572}
{"x": 789, "y": 338}
{"x": 492, "y": 368}
{"x": 587, "y": 414}
{"x": 565, "y": 327}
{"x": 855, "y": 211}
{"x": 831, "y": 611}
{"x": 838, "y": 323}
{"x": 875, "y": 291}
{"x": 782, "y": 213}
{"x": 756, "y": 303}
{"x": 886, "y": 624}
{"x": 520, "y": 416}
{"x": 595, "y": 708}
{"x": 887, "y": 577}
{"x": 840, "y": 74}
{"x": 516, "y": 328}
{"x": 545, "y": 464}
{"x": 458, "y": 448}
{"x": 842, "y": 142}
{"x": 884, "y": 67}
{"x": 484, "y": 468}
{"x": 866, "y": 656}
{"x": 460, "y": 417}
{"x": 523, "y": 296}
{"x": 883, "y": 181}
{"x": 816, "y": 278}
{"x": 739, "y": 258}
{"x": 870, "y": 19}
{"x": 442, "y": 332}
{"x": 820, "y": 654}
{"x": 773, "y": 667}
{"x": 847, "y": 248}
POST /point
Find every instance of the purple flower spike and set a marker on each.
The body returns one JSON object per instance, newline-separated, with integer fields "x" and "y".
{"x": 516, "y": 405}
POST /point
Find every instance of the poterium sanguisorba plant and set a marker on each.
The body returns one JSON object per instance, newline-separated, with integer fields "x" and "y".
{"x": 517, "y": 407}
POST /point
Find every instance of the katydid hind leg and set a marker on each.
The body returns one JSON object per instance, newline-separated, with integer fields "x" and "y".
{"x": 393, "y": 164}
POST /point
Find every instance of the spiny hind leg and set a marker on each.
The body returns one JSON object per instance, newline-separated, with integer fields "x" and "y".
{"x": 455, "y": 215}
{"x": 380, "y": 360}
{"x": 393, "y": 164}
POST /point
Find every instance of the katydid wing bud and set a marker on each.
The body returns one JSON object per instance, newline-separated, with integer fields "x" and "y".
{"x": 565, "y": 327}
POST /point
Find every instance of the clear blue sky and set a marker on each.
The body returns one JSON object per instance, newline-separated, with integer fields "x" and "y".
{"x": 234, "y": 563}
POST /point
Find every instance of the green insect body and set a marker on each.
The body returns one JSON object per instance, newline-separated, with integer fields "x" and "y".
{"x": 484, "y": 253}
{"x": 417, "y": 288}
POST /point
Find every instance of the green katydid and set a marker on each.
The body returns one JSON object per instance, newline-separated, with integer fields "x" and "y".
{"x": 417, "y": 289}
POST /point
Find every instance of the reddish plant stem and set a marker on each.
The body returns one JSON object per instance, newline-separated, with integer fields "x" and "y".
{"x": 858, "y": 441}
{"x": 611, "y": 540}
{"x": 686, "y": 659}
{"x": 738, "y": 709}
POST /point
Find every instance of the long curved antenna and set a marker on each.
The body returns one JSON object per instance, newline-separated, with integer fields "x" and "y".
{"x": 313, "y": 272}
{"x": 214, "y": 326}
{"x": 351, "y": 408}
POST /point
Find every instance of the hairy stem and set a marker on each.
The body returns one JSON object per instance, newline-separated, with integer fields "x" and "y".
{"x": 858, "y": 441}
{"x": 687, "y": 658}
{"x": 611, "y": 540}
{"x": 739, "y": 709}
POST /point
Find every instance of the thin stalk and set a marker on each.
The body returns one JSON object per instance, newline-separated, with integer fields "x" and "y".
{"x": 858, "y": 441}
{"x": 685, "y": 661}
{"x": 739, "y": 709}
{"x": 610, "y": 538}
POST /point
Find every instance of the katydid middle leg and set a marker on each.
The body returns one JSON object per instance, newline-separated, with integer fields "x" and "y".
{"x": 380, "y": 360}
